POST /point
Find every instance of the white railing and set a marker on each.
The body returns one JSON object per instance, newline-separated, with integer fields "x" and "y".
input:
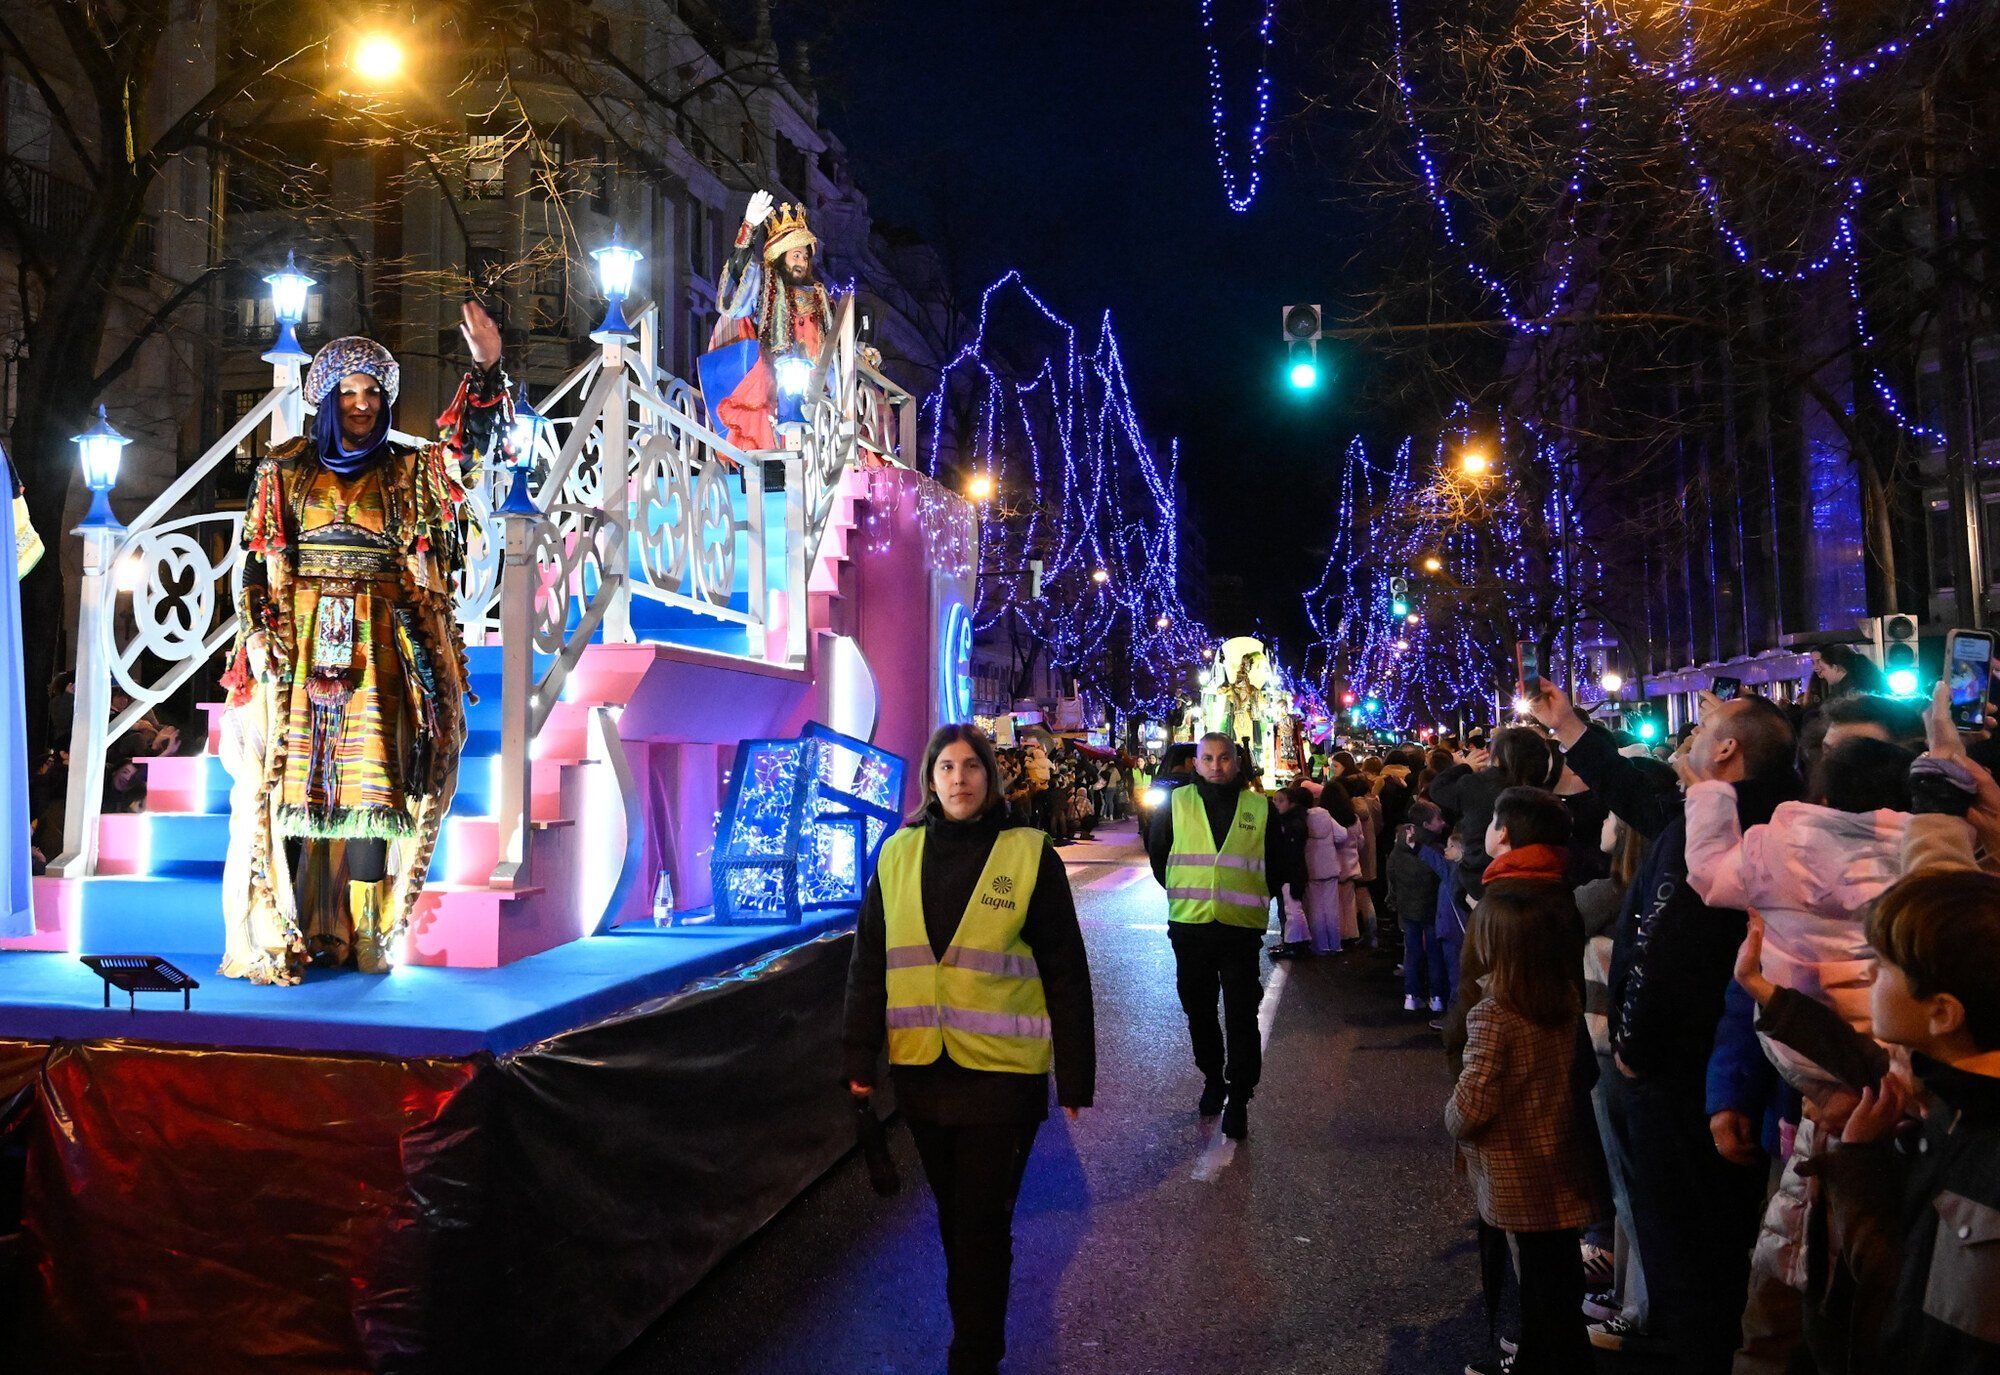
{"x": 634, "y": 494}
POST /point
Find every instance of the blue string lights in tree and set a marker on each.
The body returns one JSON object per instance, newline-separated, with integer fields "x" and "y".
{"x": 1486, "y": 558}
{"x": 1811, "y": 99}
{"x": 1239, "y": 190}
{"x": 1081, "y": 543}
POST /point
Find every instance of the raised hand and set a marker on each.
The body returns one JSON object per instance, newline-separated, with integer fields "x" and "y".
{"x": 482, "y": 336}
{"x": 759, "y": 209}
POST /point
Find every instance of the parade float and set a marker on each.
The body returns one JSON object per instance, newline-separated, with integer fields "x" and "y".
{"x": 1244, "y": 695}
{"x": 608, "y": 1051}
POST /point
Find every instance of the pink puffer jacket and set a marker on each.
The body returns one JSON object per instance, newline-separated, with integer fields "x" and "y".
{"x": 1811, "y": 873}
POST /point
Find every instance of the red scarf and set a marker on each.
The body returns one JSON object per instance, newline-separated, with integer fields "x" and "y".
{"x": 1529, "y": 864}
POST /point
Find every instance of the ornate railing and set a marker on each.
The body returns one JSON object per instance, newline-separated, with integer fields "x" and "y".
{"x": 633, "y": 494}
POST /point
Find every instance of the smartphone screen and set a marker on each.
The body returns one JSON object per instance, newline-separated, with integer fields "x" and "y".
{"x": 1530, "y": 661}
{"x": 1726, "y": 689}
{"x": 1968, "y": 667}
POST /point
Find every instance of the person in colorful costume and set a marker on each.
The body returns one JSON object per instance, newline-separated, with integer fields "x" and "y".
{"x": 350, "y": 664}
{"x": 776, "y": 299}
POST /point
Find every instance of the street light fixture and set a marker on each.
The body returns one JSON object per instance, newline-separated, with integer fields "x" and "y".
{"x": 1100, "y": 576}
{"x": 1165, "y": 623}
{"x": 377, "y": 58}
{"x": 1474, "y": 463}
{"x": 1433, "y": 564}
{"x": 289, "y": 293}
{"x": 522, "y": 437}
{"x": 99, "y": 450}
{"x": 979, "y": 487}
{"x": 616, "y": 263}
{"x": 1611, "y": 681}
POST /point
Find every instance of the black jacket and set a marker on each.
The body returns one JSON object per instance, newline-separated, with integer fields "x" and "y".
{"x": 1219, "y": 801}
{"x": 1672, "y": 954}
{"x": 955, "y": 854}
{"x": 1413, "y": 884}
{"x": 1470, "y": 796}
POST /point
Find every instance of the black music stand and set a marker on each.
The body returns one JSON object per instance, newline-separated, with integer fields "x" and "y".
{"x": 137, "y": 974}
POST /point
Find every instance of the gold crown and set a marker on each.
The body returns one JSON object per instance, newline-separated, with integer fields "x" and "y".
{"x": 787, "y": 230}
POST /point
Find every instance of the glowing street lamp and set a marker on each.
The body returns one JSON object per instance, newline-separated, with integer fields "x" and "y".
{"x": 99, "y": 450}
{"x": 377, "y": 58}
{"x": 1474, "y": 463}
{"x": 1164, "y": 623}
{"x": 289, "y": 293}
{"x": 616, "y": 263}
{"x": 979, "y": 487}
{"x": 522, "y": 438}
{"x": 1100, "y": 576}
{"x": 1611, "y": 681}
{"x": 1433, "y": 564}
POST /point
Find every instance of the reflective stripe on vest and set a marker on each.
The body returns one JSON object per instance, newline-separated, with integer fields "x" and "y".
{"x": 983, "y": 1000}
{"x": 1204, "y": 885}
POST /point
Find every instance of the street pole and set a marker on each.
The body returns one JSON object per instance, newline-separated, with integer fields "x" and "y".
{"x": 1961, "y": 408}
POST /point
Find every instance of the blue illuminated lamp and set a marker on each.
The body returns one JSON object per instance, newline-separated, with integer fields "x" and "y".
{"x": 289, "y": 293}
{"x": 99, "y": 449}
{"x": 1903, "y": 682}
{"x": 616, "y": 265}
{"x": 794, "y": 372}
{"x": 526, "y": 431}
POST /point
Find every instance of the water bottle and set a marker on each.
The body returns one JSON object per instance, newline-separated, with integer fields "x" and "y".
{"x": 663, "y": 900}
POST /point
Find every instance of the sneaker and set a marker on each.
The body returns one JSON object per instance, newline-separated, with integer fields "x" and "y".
{"x": 1492, "y": 1365}
{"x": 1508, "y": 1347}
{"x": 1409, "y": 1002}
{"x": 1212, "y": 1095}
{"x": 1615, "y": 1334}
{"x": 1599, "y": 1272}
{"x": 1600, "y": 1309}
{"x": 1437, "y": 1004}
{"x": 1397, "y": 972}
{"x": 1236, "y": 1118}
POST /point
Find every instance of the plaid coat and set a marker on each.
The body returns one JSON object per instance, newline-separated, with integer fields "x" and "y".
{"x": 1522, "y": 1116}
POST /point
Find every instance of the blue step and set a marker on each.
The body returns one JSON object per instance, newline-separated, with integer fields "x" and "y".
{"x": 176, "y": 914}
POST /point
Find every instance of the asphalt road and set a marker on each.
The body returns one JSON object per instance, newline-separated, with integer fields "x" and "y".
{"x": 1335, "y": 1239}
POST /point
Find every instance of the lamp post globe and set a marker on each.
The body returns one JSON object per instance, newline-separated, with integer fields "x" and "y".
{"x": 616, "y": 265}
{"x": 290, "y": 291}
{"x": 99, "y": 450}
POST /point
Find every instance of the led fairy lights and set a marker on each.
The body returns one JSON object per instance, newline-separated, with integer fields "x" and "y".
{"x": 1087, "y": 498}
{"x": 1239, "y": 190}
{"x": 1393, "y": 520}
{"x": 1599, "y": 25}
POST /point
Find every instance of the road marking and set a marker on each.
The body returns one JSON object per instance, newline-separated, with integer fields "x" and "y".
{"x": 1119, "y": 878}
{"x": 1220, "y": 1150}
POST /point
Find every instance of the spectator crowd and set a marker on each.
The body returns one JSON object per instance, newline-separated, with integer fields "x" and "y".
{"x": 1722, "y": 1017}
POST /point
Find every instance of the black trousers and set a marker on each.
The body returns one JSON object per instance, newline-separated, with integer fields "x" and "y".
{"x": 975, "y": 1173}
{"x": 1211, "y": 959}
{"x": 1695, "y": 1216}
{"x": 1553, "y": 1339}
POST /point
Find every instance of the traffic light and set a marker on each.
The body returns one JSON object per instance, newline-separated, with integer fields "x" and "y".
{"x": 1643, "y": 723}
{"x": 1896, "y": 651}
{"x": 1347, "y": 699}
{"x": 1302, "y": 347}
{"x": 1399, "y": 597}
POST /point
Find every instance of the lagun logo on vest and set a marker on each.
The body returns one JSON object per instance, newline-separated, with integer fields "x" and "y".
{"x": 1003, "y": 884}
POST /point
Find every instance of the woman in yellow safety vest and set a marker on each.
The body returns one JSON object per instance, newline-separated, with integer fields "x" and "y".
{"x": 969, "y": 964}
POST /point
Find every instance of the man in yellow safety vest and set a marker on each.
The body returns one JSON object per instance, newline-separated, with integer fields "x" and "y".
{"x": 1216, "y": 852}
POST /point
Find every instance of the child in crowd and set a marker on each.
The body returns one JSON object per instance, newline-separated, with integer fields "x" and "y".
{"x": 1368, "y": 811}
{"x": 1417, "y": 867}
{"x": 1519, "y": 1113}
{"x": 1912, "y": 1278}
{"x": 1324, "y": 868}
{"x": 1811, "y": 872}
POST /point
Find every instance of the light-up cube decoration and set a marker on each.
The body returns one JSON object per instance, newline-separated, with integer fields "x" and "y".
{"x": 803, "y": 826}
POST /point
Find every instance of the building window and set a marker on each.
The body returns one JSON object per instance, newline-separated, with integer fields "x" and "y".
{"x": 250, "y": 317}
{"x": 485, "y": 165}
{"x": 794, "y": 168}
{"x": 27, "y": 116}
{"x": 251, "y": 447}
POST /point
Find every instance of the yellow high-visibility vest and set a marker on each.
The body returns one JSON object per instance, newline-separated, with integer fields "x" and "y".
{"x": 983, "y": 1001}
{"x": 1205, "y": 884}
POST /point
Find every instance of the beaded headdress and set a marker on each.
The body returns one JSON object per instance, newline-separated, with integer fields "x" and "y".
{"x": 344, "y": 357}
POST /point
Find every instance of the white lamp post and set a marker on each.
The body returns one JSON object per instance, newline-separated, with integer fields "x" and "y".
{"x": 616, "y": 264}
{"x": 99, "y": 450}
{"x": 290, "y": 291}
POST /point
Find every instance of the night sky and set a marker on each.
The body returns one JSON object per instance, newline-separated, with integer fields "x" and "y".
{"x": 1072, "y": 141}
